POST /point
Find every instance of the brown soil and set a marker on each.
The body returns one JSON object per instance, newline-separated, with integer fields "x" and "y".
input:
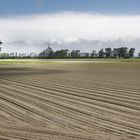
{"x": 70, "y": 101}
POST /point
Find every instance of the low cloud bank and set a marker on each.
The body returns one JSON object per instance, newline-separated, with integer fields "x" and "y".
{"x": 69, "y": 30}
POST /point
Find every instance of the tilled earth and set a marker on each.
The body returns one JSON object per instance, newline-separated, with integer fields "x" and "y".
{"x": 70, "y": 101}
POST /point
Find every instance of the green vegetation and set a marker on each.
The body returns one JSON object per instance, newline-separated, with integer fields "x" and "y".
{"x": 56, "y": 61}
{"x": 26, "y": 61}
{"x": 130, "y": 60}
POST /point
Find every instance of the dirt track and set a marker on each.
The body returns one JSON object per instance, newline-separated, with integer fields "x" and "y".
{"x": 70, "y": 101}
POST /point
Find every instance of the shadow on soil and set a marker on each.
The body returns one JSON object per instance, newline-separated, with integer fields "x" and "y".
{"x": 6, "y": 72}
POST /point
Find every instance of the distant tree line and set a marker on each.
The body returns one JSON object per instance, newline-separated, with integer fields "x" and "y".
{"x": 122, "y": 52}
{"x": 138, "y": 54}
{"x": 0, "y": 44}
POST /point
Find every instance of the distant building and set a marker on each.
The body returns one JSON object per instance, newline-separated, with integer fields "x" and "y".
{"x": 32, "y": 54}
{"x": 84, "y": 54}
{"x": 22, "y": 55}
{"x": 11, "y": 54}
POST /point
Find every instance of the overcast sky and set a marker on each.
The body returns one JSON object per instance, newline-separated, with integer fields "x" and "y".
{"x": 29, "y": 26}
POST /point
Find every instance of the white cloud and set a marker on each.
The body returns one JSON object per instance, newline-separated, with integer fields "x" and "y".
{"x": 67, "y": 28}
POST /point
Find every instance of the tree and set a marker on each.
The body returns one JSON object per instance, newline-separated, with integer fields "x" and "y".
{"x": 1, "y": 44}
{"x": 101, "y": 53}
{"x": 61, "y": 53}
{"x": 122, "y": 52}
{"x": 47, "y": 53}
{"x": 75, "y": 53}
{"x": 131, "y": 52}
{"x": 138, "y": 54}
{"x": 108, "y": 52}
{"x": 115, "y": 52}
{"x": 93, "y": 54}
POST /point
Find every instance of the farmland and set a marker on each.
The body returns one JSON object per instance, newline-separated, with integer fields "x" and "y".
{"x": 70, "y": 101}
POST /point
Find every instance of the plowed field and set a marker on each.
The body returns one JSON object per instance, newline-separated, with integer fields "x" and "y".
{"x": 70, "y": 101}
